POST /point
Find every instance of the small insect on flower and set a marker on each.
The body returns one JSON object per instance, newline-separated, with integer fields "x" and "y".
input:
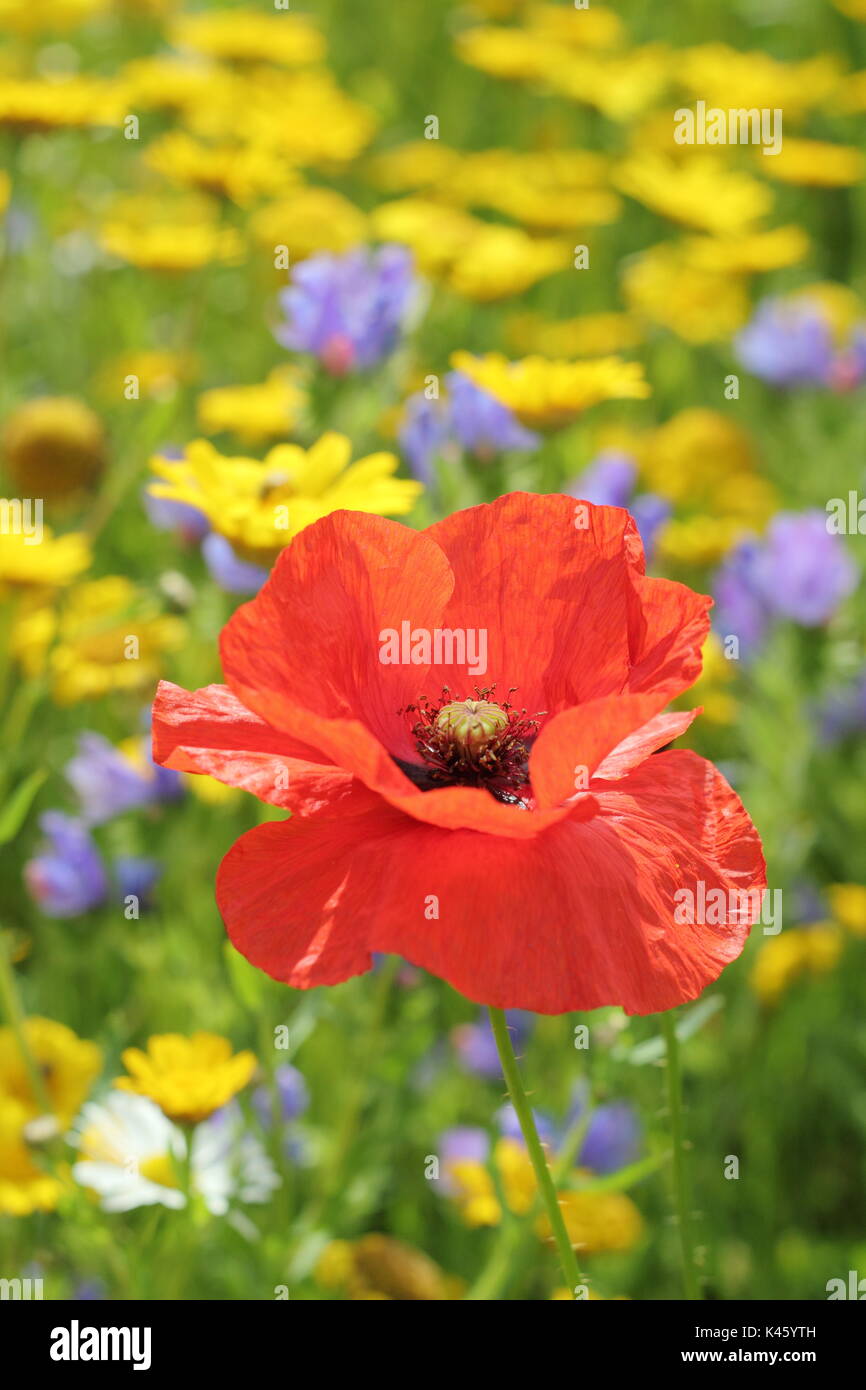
{"x": 527, "y": 852}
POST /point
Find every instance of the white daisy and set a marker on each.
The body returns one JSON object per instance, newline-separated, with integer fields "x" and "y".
{"x": 130, "y": 1154}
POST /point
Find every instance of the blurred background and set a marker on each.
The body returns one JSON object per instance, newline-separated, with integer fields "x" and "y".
{"x": 187, "y": 194}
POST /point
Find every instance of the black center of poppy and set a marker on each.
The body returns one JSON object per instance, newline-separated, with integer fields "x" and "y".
{"x": 476, "y": 742}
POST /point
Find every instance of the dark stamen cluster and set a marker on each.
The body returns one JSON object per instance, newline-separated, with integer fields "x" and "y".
{"x": 496, "y": 759}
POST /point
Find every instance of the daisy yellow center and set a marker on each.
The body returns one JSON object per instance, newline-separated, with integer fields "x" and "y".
{"x": 159, "y": 1169}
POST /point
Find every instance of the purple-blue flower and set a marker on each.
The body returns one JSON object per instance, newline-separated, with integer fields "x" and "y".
{"x": 800, "y": 572}
{"x": 509, "y": 1126}
{"x": 803, "y": 571}
{"x": 233, "y": 575}
{"x": 650, "y": 513}
{"x": 476, "y": 1046}
{"x": 107, "y": 784}
{"x": 104, "y": 781}
{"x": 466, "y": 418}
{"x": 481, "y": 423}
{"x": 787, "y": 343}
{"x": 608, "y": 481}
{"x": 292, "y": 1095}
{"x": 349, "y": 310}
{"x": 182, "y": 518}
{"x": 136, "y": 877}
{"x": 612, "y": 1139}
{"x": 68, "y": 877}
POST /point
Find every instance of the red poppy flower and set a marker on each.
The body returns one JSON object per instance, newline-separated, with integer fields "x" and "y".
{"x": 507, "y": 830}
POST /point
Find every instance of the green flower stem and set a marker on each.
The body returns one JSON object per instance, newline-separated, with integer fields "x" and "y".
{"x": 680, "y": 1176}
{"x": 567, "y": 1257}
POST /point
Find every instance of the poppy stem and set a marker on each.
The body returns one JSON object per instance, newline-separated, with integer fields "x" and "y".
{"x": 680, "y": 1176}
{"x": 547, "y": 1188}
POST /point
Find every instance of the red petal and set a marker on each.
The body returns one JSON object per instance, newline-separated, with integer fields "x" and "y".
{"x": 310, "y": 639}
{"x": 664, "y": 728}
{"x": 578, "y": 917}
{"x": 553, "y": 597}
{"x": 210, "y": 731}
{"x": 668, "y": 625}
{"x": 572, "y": 744}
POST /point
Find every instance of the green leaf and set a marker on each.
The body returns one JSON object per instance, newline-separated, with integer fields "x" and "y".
{"x": 14, "y": 813}
{"x": 654, "y": 1048}
{"x": 247, "y": 982}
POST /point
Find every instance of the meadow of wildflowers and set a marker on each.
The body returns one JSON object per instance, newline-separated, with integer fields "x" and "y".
{"x": 386, "y": 391}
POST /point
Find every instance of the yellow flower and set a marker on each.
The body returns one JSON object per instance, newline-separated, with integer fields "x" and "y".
{"x": 308, "y": 220}
{"x": 597, "y": 1221}
{"x": 24, "y": 1188}
{"x": 241, "y": 172}
{"x": 590, "y": 335}
{"x": 415, "y": 164}
{"x": 158, "y": 374}
{"x": 302, "y": 116}
{"x": 379, "y": 1267}
{"x": 474, "y": 1189}
{"x": 816, "y": 164}
{"x": 158, "y": 235}
{"x": 725, "y": 77}
{"x": 703, "y": 461}
{"x": 209, "y": 791}
{"x": 510, "y": 54}
{"x": 172, "y": 84}
{"x": 53, "y": 447}
{"x": 785, "y": 958}
{"x": 501, "y": 261}
{"x": 29, "y": 17}
{"x": 694, "y": 452}
{"x": 188, "y": 1078}
{"x": 5, "y": 191}
{"x": 249, "y": 36}
{"x": 620, "y": 85}
{"x": 549, "y": 190}
{"x": 68, "y": 1066}
{"x": 263, "y": 411}
{"x": 31, "y": 105}
{"x": 848, "y": 906}
{"x": 435, "y": 233}
{"x": 749, "y": 252}
{"x": 701, "y": 191}
{"x": 701, "y": 306}
{"x": 840, "y": 307}
{"x": 106, "y": 637}
{"x": 592, "y": 27}
{"x": 260, "y": 505}
{"x": 548, "y": 393}
{"x": 53, "y": 563}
